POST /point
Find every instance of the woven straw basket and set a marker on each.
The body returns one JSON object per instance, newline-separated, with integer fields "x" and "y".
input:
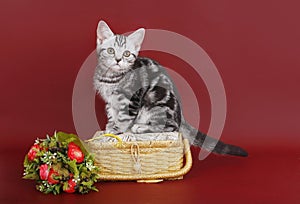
{"x": 143, "y": 161}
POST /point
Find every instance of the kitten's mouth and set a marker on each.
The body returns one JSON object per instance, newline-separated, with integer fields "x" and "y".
{"x": 117, "y": 68}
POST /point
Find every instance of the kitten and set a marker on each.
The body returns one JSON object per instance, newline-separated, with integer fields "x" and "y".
{"x": 139, "y": 95}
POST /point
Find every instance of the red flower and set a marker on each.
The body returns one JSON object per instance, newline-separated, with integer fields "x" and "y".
{"x": 32, "y": 152}
{"x": 74, "y": 152}
{"x": 71, "y": 186}
{"x": 44, "y": 172}
{"x": 51, "y": 175}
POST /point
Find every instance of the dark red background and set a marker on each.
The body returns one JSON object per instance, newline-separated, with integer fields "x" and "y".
{"x": 255, "y": 45}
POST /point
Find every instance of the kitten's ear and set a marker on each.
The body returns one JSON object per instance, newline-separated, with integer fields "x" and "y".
{"x": 137, "y": 38}
{"x": 103, "y": 32}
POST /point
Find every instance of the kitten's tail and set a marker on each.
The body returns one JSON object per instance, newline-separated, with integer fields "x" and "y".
{"x": 197, "y": 138}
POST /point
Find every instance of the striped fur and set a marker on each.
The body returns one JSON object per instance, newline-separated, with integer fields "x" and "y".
{"x": 140, "y": 96}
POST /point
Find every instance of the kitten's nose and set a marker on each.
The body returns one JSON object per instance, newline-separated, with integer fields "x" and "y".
{"x": 118, "y": 60}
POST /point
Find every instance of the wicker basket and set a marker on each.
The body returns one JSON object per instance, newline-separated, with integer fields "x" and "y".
{"x": 143, "y": 161}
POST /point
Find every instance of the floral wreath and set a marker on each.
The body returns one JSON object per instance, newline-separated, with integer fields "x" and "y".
{"x": 61, "y": 163}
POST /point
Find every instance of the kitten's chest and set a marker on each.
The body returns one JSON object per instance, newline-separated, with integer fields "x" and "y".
{"x": 107, "y": 91}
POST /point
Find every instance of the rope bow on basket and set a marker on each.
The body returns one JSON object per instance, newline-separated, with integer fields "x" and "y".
{"x": 135, "y": 154}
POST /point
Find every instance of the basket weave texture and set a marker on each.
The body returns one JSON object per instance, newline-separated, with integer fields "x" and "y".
{"x": 141, "y": 159}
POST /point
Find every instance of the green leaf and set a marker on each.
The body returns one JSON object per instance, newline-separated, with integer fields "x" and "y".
{"x": 94, "y": 188}
{"x": 87, "y": 183}
{"x": 65, "y": 185}
{"x": 60, "y": 170}
{"x": 47, "y": 190}
{"x": 26, "y": 161}
{"x": 57, "y": 188}
{"x": 80, "y": 189}
{"x": 52, "y": 143}
{"x": 73, "y": 168}
{"x": 32, "y": 176}
{"x": 66, "y": 137}
{"x": 84, "y": 169}
{"x": 84, "y": 175}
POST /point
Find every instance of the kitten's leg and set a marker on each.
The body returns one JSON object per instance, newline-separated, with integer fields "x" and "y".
{"x": 123, "y": 120}
{"x": 156, "y": 119}
{"x": 110, "y": 113}
{"x": 145, "y": 128}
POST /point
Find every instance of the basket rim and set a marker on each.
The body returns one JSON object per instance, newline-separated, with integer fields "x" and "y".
{"x": 142, "y": 144}
{"x": 127, "y": 144}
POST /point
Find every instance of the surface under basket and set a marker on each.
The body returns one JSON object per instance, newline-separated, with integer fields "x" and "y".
{"x": 142, "y": 160}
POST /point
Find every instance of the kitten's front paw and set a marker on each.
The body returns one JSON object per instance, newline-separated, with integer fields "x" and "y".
{"x": 139, "y": 128}
{"x": 112, "y": 131}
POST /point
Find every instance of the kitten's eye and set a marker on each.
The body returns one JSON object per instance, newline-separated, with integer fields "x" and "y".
{"x": 110, "y": 50}
{"x": 126, "y": 53}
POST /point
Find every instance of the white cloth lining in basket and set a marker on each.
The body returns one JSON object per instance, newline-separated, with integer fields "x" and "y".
{"x": 127, "y": 137}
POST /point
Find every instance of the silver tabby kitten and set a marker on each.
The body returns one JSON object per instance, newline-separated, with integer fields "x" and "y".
{"x": 139, "y": 95}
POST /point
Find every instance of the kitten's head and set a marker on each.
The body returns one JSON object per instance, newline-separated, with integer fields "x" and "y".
{"x": 117, "y": 53}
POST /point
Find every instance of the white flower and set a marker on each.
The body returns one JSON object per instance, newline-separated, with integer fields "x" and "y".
{"x": 37, "y": 141}
{"x": 89, "y": 165}
{"x": 76, "y": 180}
